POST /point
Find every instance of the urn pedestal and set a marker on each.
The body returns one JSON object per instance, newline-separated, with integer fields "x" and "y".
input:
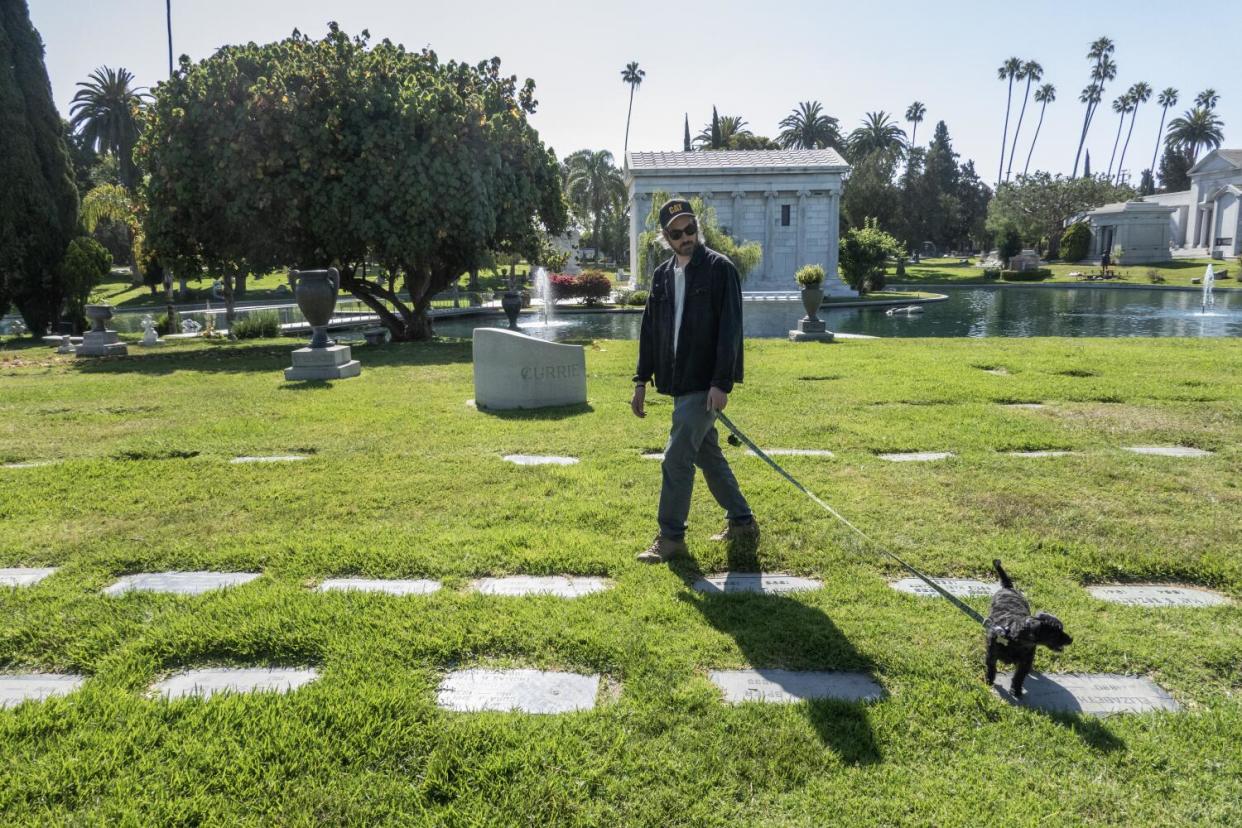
{"x": 99, "y": 341}
{"x": 512, "y": 304}
{"x": 315, "y": 291}
{"x": 811, "y": 328}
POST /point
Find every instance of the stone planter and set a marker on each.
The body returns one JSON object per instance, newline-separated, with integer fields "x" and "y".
{"x": 315, "y": 292}
{"x": 512, "y": 304}
{"x": 99, "y": 316}
{"x": 812, "y": 297}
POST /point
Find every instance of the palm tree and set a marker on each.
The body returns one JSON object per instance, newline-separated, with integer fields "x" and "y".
{"x": 1122, "y": 106}
{"x": 168, "y": 17}
{"x": 1207, "y": 99}
{"x": 729, "y": 127}
{"x": 807, "y": 127}
{"x": 914, "y": 114}
{"x": 878, "y": 133}
{"x": 1008, "y": 70}
{"x": 1140, "y": 93}
{"x": 1099, "y": 52}
{"x": 1044, "y": 95}
{"x": 1167, "y": 99}
{"x": 1195, "y": 130}
{"x": 1032, "y": 71}
{"x": 593, "y": 183}
{"x": 105, "y": 113}
{"x": 632, "y": 75}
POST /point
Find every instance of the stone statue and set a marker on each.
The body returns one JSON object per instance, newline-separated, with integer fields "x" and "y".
{"x": 150, "y": 338}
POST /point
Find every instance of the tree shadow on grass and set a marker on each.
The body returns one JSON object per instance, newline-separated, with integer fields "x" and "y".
{"x": 776, "y": 631}
{"x": 242, "y": 357}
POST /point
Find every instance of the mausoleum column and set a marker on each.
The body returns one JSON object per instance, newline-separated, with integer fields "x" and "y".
{"x": 769, "y": 218}
{"x": 834, "y": 230}
{"x": 640, "y": 206}
{"x": 801, "y": 246}
{"x": 735, "y": 221}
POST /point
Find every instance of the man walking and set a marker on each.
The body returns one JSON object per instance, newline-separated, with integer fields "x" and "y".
{"x": 691, "y": 343}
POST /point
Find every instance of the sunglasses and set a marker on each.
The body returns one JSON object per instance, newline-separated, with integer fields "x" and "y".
{"x": 690, "y": 229}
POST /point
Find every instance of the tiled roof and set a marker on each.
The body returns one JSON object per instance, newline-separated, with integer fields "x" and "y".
{"x": 1232, "y": 156}
{"x": 737, "y": 160}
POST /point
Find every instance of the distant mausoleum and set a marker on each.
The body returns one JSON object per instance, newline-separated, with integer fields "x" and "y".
{"x": 1205, "y": 220}
{"x": 787, "y": 200}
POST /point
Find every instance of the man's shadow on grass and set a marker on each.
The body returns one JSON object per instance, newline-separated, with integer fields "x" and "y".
{"x": 1089, "y": 728}
{"x": 779, "y": 631}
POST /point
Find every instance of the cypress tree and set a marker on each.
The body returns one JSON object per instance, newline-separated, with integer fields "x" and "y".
{"x": 39, "y": 201}
{"x": 686, "y": 145}
{"x": 715, "y": 129}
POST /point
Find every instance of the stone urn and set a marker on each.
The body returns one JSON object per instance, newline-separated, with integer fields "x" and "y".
{"x": 99, "y": 316}
{"x": 315, "y": 292}
{"x": 512, "y": 304}
{"x": 812, "y": 296}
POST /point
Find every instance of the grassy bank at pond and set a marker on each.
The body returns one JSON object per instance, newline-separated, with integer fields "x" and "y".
{"x": 1175, "y": 273}
{"x": 405, "y": 480}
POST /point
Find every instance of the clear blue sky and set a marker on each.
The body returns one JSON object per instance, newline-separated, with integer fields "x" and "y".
{"x": 751, "y": 59}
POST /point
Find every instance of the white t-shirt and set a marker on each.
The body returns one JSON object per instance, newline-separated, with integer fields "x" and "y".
{"x": 679, "y": 300}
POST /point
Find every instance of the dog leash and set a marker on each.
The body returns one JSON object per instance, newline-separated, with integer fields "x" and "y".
{"x": 957, "y": 602}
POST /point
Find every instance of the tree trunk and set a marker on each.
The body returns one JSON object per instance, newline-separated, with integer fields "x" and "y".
{"x": 241, "y": 283}
{"x": 1036, "y": 138}
{"x": 1000, "y": 168}
{"x": 1156, "y": 151}
{"x": 473, "y": 284}
{"x": 228, "y": 298}
{"x": 1018, "y": 129}
{"x": 1116, "y": 141}
{"x": 1122, "y": 160}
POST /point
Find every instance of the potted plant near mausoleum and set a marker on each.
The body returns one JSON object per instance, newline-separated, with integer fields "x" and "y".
{"x": 811, "y": 277}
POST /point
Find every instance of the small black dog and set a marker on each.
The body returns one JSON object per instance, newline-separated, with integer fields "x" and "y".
{"x": 1013, "y": 633}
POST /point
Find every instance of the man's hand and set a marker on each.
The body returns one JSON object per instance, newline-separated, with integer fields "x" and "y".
{"x": 636, "y": 402}
{"x": 716, "y": 399}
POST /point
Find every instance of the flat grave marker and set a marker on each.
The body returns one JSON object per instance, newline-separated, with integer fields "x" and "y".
{"x": 959, "y": 587}
{"x": 181, "y": 583}
{"x": 562, "y": 586}
{"x": 755, "y": 582}
{"x": 32, "y": 464}
{"x": 1095, "y": 694}
{"x": 24, "y": 576}
{"x": 206, "y": 682}
{"x": 915, "y": 456}
{"x": 540, "y": 460}
{"x": 273, "y": 458}
{"x": 16, "y": 688}
{"x": 1169, "y": 451}
{"x": 788, "y": 686}
{"x": 653, "y": 455}
{"x": 1157, "y": 595}
{"x": 525, "y": 691}
{"x": 1039, "y": 453}
{"x": 389, "y": 586}
{"x": 781, "y": 452}
{"x": 1026, "y": 406}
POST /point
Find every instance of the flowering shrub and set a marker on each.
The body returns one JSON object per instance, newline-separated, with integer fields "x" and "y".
{"x": 592, "y": 285}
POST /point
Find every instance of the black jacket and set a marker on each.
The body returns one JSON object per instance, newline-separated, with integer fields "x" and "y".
{"x": 709, "y": 347}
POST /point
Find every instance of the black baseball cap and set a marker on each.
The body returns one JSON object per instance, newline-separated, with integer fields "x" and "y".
{"x": 674, "y": 208}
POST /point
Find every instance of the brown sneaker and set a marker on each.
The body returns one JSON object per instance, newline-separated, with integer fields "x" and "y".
{"x": 733, "y": 532}
{"x": 663, "y": 549}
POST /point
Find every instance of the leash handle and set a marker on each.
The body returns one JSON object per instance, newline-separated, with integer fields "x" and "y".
{"x": 760, "y": 453}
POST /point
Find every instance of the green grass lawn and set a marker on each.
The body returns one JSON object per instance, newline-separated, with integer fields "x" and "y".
{"x": 1175, "y": 273}
{"x": 406, "y": 480}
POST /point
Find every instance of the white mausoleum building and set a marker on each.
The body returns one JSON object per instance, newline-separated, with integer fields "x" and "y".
{"x": 787, "y": 200}
{"x": 1205, "y": 220}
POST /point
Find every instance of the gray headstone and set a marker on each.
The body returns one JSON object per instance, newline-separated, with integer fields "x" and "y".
{"x": 540, "y": 460}
{"x": 959, "y": 587}
{"x": 513, "y": 370}
{"x": 205, "y": 683}
{"x": 392, "y": 587}
{"x": 527, "y": 691}
{"x": 1169, "y": 451}
{"x": 916, "y": 456}
{"x": 16, "y": 688}
{"x": 793, "y": 453}
{"x": 1041, "y": 453}
{"x": 1157, "y": 595}
{"x": 183, "y": 583}
{"x": 1096, "y": 694}
{"x": 24, "y": 576}
{"x": 559, "y": 585}
{"x": 786, "y": 686}
{"x": 273, "y": 458}
{"x": 768, "y": 584}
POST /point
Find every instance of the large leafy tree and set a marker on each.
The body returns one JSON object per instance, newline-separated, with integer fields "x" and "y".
{"x": 1037, "y": 205}
{"x": 807, "y": 127}
{"x": 106, "y": 111}
{"x": 1103, "y": 69}
{"x": 870, "y": 191}
{"x": 593, "y": 184}
{"x": 877, "y": 133}
{"x": 38, "y": 199}
{"x": 328, "y": 152}
{"x": 1174, "y": 171}
{"x": 1196, "y": 130}
{"x": 1044, "y": 95}
{"x": 1140, "y": 93}
{"x": 1166, "y": 99}
{"x": 633, "y": 76}
{"x": 1031, "y": 72}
